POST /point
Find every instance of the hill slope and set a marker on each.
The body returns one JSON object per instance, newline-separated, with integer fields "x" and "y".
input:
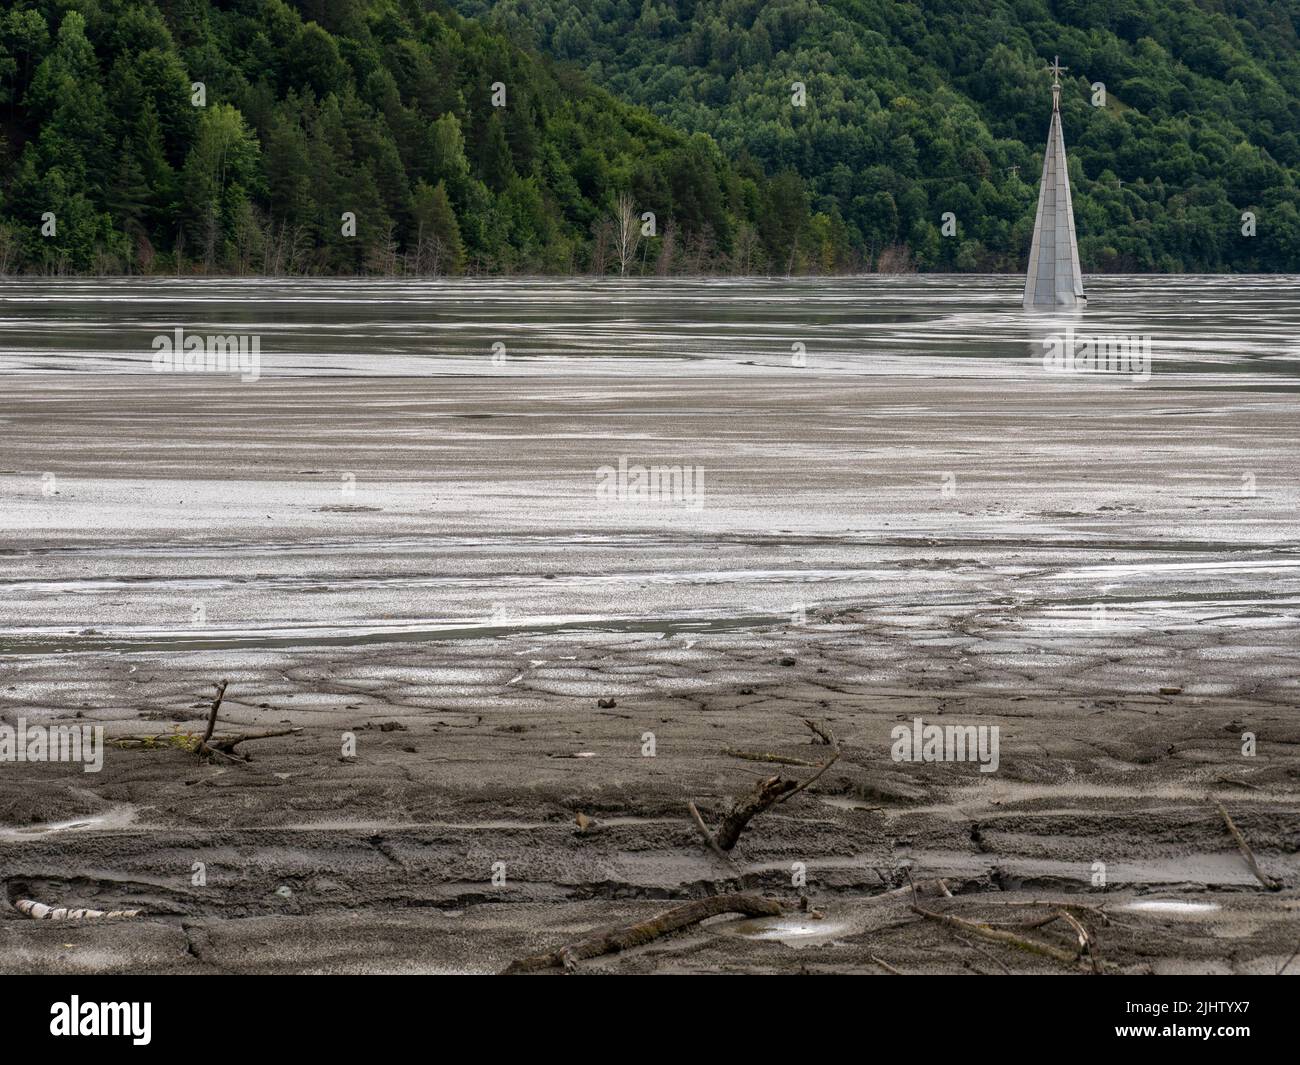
{"x": 914, "y": 109}
{"x": 113, "y": 159}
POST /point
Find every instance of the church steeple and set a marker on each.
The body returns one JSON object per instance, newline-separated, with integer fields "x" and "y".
{"x": 1054, "y": 278}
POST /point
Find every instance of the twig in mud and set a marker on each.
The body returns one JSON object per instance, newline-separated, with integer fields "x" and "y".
{"x": 1086, "y": 944}
{"x": 38, "y": 911}
{"x": 761, "y": 756}
{"x": 225, "y": 746}
{"x": 205, "y": 746}
{"x": 996, "y": 935}
{"x": 821, "y": 733}
{"x": 221, "y": 747}
{"x": 636, "y": 935}
{"x": 1248, "y": 854}
{"x": 1097, "y": 911}
{"x": 812, "y": 779}
{"x": 704, "y": 831}
{"x": 767, "y": 794}
{"x": 982, "y": 953}
{"x": 202, "y": 749}
{"x": 1238, "y": 783}
{"x": 1287, "y": 964}
{"x": 886, "y": 966}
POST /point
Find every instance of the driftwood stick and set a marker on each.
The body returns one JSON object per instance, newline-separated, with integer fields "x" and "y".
{"x": 1097, "y": 912}
{"x": 220, "y": 747}
{"x": 625, "y": 937}
{"x": 1248, "y": 854}
{"x": 821, "y": 732}
{"x": 202, "y": 748}
{"x": 704, "y": 831}
{"x": 1086, "y": 944}
{"x": 824, "y": 766}
{"x": 762, "y": 756}
{"x": 886, "y": 966}
{"x": 982, "y": 953}
{"x": 766, "y": 794}
{"x": 996, "y": 935}
{"x": 227, "y": 743}
{"x": 38, "y": 911}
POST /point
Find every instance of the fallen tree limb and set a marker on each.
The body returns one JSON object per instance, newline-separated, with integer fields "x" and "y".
{"x": 1086, "y": 944}
{"x": 218, "y": 747}
{"x": 761, "y": 756}
{"x": 982, "y": 953}
{"x": 205, "y": 746}
{"x": 996, "y": 935}
{"x": 1248, "y": 854}
{"x": 38, "y": 911}
{"x": 821, "y": 733}
{"x": 625, "y": 937}
{"x": 704, "y": 831}
{"x": 1098, "y": 912}
{"x": 812, "y": 779}
{"x": 202, "y": 749}
{"x": 766, "y": 794}
{"x": 225, "y": 745}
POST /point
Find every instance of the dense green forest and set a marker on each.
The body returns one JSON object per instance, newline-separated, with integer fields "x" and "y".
{"x": 334, "y": 136}
{"x": 915, "y": 109}
{"x": 405, "y": 137}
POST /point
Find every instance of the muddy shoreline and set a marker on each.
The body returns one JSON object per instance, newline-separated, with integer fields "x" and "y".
{"x": 919, "y": 523}
{"x": 388, "y": 858}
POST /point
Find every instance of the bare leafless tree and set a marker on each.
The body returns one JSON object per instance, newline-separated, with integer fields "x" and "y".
{"x": 627, "y": 230}
{"x": 600, "y": 240}
{"x": 8, "y": 249}
{"x": 667, "y": 251}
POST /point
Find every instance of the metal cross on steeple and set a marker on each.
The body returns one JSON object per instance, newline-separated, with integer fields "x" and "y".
{"x": 1056, "y": 70}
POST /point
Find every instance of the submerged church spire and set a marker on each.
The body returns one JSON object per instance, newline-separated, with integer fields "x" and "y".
{"x": 1054, "y": 278}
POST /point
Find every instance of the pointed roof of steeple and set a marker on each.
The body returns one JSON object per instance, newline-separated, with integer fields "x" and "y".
{"x": 1054, "y": 278}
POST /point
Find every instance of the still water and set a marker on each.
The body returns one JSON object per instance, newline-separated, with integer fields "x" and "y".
{"x": 670, "y": 327}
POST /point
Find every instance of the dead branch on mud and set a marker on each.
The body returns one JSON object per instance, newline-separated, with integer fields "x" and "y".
{"x": 1099, "y": 912}
{"x": 821, "y": 732}
{"x": 202, "y": 749}
{"x": 986, "y": 955}
{"x": 1248, "y": 854}
{"x": 1001, "y": 935}
{"x": 886, "y": 966}
{"x": 766, "y": 794}
{"x": 706, "y": 834}
{"x": 1087, "y": 945}
{"x": 38, "y": 911}
{"x": 625, "y": 937}
{"x": 205, "y": 746}
{"x": 762, "y": 756}
{"x": 996, "y": 935}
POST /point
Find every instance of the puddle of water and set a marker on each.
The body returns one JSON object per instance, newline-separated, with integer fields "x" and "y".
{"x": 793, "y": 931}
{"x": 116, "y": 818}
{"x": 1170, "y": 907}
{"x": 843, "y": 802}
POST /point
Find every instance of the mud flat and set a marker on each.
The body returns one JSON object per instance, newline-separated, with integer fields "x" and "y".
{"x": 1107, "y": 573}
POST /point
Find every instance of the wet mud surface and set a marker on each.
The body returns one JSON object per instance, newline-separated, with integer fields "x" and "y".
{"x": 1106, "y": 572}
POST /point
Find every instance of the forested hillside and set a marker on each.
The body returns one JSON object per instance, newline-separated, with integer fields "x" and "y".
{"x": 400, "y": 136}
{"x": 114, "y": 158}
{"x": 914, "y": 109}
